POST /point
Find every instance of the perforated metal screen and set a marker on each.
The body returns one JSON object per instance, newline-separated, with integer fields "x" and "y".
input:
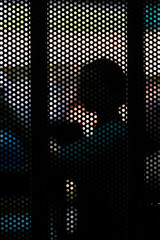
{"x": 87, "y": 58}
{"x": 151, "y": 51}
{"x": 66, "y": 169}
{"x": 15, "y": 120}
{"x": 152, "y": 69}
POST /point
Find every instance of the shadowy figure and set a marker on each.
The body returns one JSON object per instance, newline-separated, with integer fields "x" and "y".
{"x": 103, "y": 199}
{"x": 100, "y": 171}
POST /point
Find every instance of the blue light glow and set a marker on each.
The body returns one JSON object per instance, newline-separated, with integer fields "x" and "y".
{"x": 11, "y": 152}
{"x": 15, "y": 222}
{"x": 152, "y": 19}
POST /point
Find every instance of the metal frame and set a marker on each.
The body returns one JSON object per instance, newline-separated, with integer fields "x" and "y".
{"x": 39, "y": 119}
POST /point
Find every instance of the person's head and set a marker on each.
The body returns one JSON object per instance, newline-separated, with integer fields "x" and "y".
{"x": 102, "y": 88}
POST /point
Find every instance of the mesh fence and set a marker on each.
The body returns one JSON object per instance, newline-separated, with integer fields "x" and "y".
{"x": 87, "y": 63}
{"x": 87, "y": 136}
{"x": 15, "y": 120}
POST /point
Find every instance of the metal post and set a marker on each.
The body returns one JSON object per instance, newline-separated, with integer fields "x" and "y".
{"x": 136, "y": 115}
{"x": 39, "y": 119}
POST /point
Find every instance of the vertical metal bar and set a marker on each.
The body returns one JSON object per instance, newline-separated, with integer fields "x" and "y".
{"x": 136, "y": 114}
{"x": 39, "y": 119}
